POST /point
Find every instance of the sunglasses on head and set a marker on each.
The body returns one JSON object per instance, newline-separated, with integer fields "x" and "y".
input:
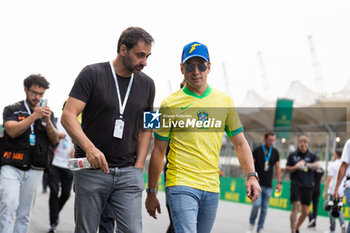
{"x": 190, "y": 67}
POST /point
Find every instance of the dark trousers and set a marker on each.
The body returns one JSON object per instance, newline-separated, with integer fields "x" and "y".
{"x": 315, "y": 199}
{"x": 45, "y": 181}
{"x": 58, "y": 176}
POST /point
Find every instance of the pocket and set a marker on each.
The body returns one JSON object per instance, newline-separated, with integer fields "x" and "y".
{"x": 17, "y": 158}
{"x": 139, "y": 182}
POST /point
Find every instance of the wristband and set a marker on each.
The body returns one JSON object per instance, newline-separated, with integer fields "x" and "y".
{"x": 255, "y": 174}
{"x": 151, "y": 190}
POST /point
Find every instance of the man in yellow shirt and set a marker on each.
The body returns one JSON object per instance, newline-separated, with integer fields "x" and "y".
{"x": 194, "y": 120}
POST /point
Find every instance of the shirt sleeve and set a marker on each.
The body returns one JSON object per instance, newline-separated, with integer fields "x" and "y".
{"x": 290, "y": 160}
{"x": 83, "y": 85}
{"x": 8, "y": 115}
{"x": 331, "y": 170}
{"x": 277, "y": 156}
{"x": 233, "y": 124}
{"x": 255, "y": 152}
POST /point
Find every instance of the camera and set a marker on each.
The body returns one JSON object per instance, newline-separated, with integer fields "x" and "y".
{"x": 337, "y": 205}
{"x": 334, "y": 205}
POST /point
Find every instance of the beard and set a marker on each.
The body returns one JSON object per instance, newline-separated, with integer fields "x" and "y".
{"x": 130, "y": 67}
{"x": 32, "y": 102}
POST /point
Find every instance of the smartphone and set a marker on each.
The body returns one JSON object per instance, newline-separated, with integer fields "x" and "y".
{"x": 43, "y": 102}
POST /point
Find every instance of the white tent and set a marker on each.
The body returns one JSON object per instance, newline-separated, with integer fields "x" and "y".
{"x": 302, "y": 95}
{"x": 343, "y": 94}
{"x": 253, "y": 99}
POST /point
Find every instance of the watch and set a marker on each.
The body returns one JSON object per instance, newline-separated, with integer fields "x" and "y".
{"x": 151, "y": 190}
{"x": 253, "y": 174}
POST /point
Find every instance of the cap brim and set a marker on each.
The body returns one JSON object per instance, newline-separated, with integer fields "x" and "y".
{"x": 194, "y": 55}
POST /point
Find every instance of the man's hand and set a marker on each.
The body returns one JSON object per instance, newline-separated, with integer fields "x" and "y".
{"x": 299, "y": 164}
{"x": 42, "y": 113}
{"x": 152, "y": 205}
{"x": 278, "y": 187}
{"x": 253, "y": 188}
{"x": 336, "y": 194}
{"x": 62, "y": 135}
{"x": 97, "y": 159}
{"x": 324, "y": 195}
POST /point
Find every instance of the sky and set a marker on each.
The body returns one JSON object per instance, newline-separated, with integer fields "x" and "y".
{"x": 59, "y": 38}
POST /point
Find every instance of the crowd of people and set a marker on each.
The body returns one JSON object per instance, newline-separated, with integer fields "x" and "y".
{"x": 112, "y": 98}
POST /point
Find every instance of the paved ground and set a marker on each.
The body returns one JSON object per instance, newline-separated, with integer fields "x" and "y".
{"x": 231, "y": 217}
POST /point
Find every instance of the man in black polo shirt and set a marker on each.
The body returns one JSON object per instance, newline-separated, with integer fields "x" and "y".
{"x": 265, "y": 158}
{"x": 112, "y": 97}
{"x": 301, "y": 165}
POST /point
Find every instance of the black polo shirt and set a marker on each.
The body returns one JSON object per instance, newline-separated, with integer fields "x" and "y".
{"x": 96, "y": 87}
{"x": 299, "y": 177}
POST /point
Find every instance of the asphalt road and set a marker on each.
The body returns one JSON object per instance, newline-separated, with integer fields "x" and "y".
{"x": 231, "y": 217}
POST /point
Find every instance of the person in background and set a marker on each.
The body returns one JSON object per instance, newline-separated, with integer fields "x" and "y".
{"x": 266, "y": 158}
{"x": 344, "y": 171}
{"x": 301, "y": 165}
{"x": 315, "y": 197}
{"x": 329, "y": 187}
{"x": 60, "y": 177}
{"x": 29, "y": 140}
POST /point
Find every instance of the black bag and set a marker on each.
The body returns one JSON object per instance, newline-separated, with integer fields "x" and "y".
{"x": 16, "y": 151}
{"x": 42, "y": 156}
{"x": 43, "y": 150}
{"x": 18, "y": 158}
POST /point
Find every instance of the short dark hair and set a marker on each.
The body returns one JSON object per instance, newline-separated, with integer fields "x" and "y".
{"x": 36, "y": 79}
{"x": 131, "y": 36}
{"x": 339, "y": 152}
{"x": 267, "y": 134}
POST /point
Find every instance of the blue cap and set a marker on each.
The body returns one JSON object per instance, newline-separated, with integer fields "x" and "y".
{"x": 195, "y": 49}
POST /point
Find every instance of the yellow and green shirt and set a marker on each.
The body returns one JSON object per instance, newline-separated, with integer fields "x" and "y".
{"x": 193, "y": 158}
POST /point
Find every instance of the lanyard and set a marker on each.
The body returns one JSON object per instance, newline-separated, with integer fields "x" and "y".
{"x": 267, "y": 158}
{"x": 121, "y": 105}
{"x": 29, "y": 112}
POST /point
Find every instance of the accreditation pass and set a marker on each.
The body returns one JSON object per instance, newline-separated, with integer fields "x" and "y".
{"x": 118, "y": 129}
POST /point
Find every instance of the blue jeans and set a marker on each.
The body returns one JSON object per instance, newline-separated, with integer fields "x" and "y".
{"x": 17, "y": 197}
{"x": 192, "y": 210}
{"x": 347, "y": 197}
{"x": 263, "y": 203}
{"x": 121, "y": 188}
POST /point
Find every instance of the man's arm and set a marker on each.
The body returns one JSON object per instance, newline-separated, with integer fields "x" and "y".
{"x": 154, "y": 170}
{"x": 70, "y": 122}
{"x": 326, "y": 185}
{"x": 290, "y": 168}
{"x": 314, "y": 166}
{"x": 279, "y": 175}
{"x": 143, "y": 142}
{"x": 245, "y": 158}
{"x": 51, "y": 132}
{"x": 341, "y": 174}
{"x": 17, "y": 128}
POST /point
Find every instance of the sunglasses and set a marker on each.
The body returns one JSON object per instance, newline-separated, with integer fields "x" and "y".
{"x": 190, "y": 67}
